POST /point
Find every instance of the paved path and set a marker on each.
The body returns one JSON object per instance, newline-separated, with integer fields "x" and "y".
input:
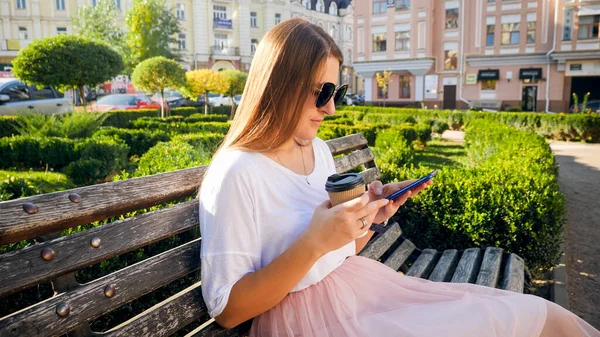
{"x": 579, "y": 180}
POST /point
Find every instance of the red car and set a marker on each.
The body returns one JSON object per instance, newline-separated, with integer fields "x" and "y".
{"x": 125, "y": 102}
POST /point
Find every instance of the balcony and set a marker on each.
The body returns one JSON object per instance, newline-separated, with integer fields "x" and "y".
{"x": 224, "y": 51}
{"x": 219, "y": 23}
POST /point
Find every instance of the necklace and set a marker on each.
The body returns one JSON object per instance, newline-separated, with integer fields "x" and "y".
{"x": 303, "y": 163}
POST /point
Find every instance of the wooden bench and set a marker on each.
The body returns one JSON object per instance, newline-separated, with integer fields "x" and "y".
{"x": 56, "y": 258}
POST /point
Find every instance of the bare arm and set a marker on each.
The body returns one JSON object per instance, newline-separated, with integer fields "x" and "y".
{"x": 362, "y": 242}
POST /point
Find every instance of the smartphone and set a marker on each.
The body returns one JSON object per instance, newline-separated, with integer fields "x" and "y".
{"x": 411, "y": 186}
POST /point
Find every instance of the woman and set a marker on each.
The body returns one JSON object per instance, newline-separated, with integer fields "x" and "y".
{"x": 274, "y": 249}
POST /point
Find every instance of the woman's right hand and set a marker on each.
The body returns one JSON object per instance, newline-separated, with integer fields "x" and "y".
{"x": 334, "y": 227}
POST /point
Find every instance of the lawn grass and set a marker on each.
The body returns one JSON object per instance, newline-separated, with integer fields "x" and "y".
{"x": 441, "y": 153}
{"x": 46, "y": 182}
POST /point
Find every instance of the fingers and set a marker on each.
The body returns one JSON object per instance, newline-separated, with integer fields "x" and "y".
{"x": 371, "y": 208}
{"x": 356, "y": 203}
{"x": 376, "y": 188}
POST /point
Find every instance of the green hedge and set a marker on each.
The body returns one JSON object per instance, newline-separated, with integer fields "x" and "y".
{"x": 8, "y": 126}
{"x": 171, "y": 156}
{"x": 204, "y": 141}
{"x": 180, "y": 127}
{"x": 206, "y": 118}
{"x": 138, "y": 141}
{"x": 35, "y": 152}
{"x": 99, "y": 158}
{"x": 507, "y": 197}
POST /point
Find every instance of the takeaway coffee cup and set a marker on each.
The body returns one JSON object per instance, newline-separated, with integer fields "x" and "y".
{"x": 344, "y": 187}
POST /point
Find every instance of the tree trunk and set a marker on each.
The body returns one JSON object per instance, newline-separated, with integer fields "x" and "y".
{"x": 206, "y": 103}
{"x": 162, "y": 104}
{"x": 82, "y": 97}
{"x": 232, "y": 108}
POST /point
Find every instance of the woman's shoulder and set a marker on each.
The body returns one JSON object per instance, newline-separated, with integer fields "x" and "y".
{"x": 231, "y": 163}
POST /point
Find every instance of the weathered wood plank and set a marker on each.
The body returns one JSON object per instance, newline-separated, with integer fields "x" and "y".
{"x": 380, "y": 244}
{"x": 56, "y": 211}
{"x": 346, "y": 144}
{"x": 371, "y": 175}
{"x": 400, "y": 255}
{"x": 514, "y": 274}
{"x": 468, "y": 266}
{"x": 490, "y": 267}
{"x": 444, "y": 269}
{"x": 352, "y": 160}
{"x": 23, "y": 268}
{"x": 214, "y": 330}
{"x": 424, "y": 264}
{"x": 165, "y": 318}
{"x": 88, "y": 301}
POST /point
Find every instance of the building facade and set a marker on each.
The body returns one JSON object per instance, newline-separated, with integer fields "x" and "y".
{"x": 217, "y": 34}
{"x": 495, "y": 54}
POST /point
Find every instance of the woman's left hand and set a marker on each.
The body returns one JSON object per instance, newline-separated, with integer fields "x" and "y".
{"x": 378, "y": 191}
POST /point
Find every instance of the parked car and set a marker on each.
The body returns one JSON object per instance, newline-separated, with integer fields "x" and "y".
{"x": 237, "y": 99}
{"x": 357, "y": 99}
{"x": 16, "y": 96}
{"x": 175, "y": 99}
{"x": 125, "y": 102}
{"x": 218, "y": 99}
{"x": 593, "y": 105}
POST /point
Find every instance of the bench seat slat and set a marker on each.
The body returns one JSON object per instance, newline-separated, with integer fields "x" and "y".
{"x": 352, "y": 160}
{"x": 400, "y": 255}
{"x": 466, "y": 271}
{"x": 56, "y": 211}
{"x": 490, "y": 267}
{"x": 347, "y": 143}
{"x": 445, "y": 267}
{"x": 379, "y": 245}
{"x": 424, "y": 264}
{"x": 25, "y": 267}
{"x": 370, "y": 175}
{"x": 88, "y": 301}
{"x": 514, "y": 275}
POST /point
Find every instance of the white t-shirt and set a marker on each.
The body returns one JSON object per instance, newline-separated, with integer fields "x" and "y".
{"x": 251, "y": 210}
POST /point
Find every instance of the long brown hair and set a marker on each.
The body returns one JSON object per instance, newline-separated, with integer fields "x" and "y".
{"x": 286, "y": 67}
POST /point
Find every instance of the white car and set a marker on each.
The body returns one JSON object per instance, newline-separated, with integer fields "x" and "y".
{"x": 17, "y": 97}
{"x": 218, "y": 99}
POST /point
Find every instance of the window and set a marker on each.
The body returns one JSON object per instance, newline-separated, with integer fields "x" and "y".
{"x": 379, "y": 6}
{"x": 402, "y": 4}
{"x": 568, "y": 24}
{"x": 94, "y": 3}
{"x": 530, "y": 32}
{"x": 17, "y": 92}
{"x": 220, "y": 12}
{"x": 488, "y": 85}
{"x": 450, "y": 59}
{"x": 118, "y": 4}
{"x": 221, "y": 41}
{"x": 403, "y": 40}
{"x": 333, "y": 32}
{"x": 21, "y": 4}
{"x": 181, "y": 42}
{"x": 404, "y": 86}
{"x": 277, "y": 18}
{"x": 380, "y": 94}
{"x": 61, "y": 30}
{"x": 490, "y": 35}
{"x": 253, "y": 19}
{"x": 60, "y": 5}
{"x": 491, "y": 1}
{"x": 306, "y": 4}
{"x": 379, "y": 42}
{"x": 349, "y": 58}
{"x": 44, "y": 93}
{"x": 510, "y": 33}
{"x": 349, "y": 35}
{"x": 320, "y": 6}
{"x": 253, "y": 46}
{"x": 588, "y": 27}
{"x": 333, "y": 8}
{"x": 180, "y": 11}
{"x": 23, "y": 33}
{"x": 451, "y": 18}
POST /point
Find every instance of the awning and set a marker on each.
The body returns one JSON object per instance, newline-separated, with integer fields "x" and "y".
{"x": 488, "y": 74}
{"x": 589, "y": 10}
{"x": 530, "y": 74}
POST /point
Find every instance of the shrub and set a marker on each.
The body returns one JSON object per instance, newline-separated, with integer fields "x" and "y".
{"x": 123, "y": 118}
{"x": 170, "y": 156}
{"x": 138, "y": 141}
{"x": 100, "y": 158}
{"x": 36, "y": 152}
{"x": 206, "y": 118}
{"x": 8, "y": 126}
{"x": 202, "y": 141}
{"x": 180, "y": 127}
{"x": 14, "y": 188}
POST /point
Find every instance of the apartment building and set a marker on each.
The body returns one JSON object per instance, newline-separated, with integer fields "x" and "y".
{"x": 496, "y": 54}
{"x": 217, "y": 34}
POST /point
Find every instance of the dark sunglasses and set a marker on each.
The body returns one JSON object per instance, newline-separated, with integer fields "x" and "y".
{"x": 328, "y": 91}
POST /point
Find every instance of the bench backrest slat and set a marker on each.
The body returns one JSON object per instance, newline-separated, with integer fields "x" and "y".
{"x": 400, "y": 255}
{"x": 424, "y": 264}
{"x": 89, "y": 301}
{"x": 514, "y": 277}
{"x": 380, "y": 244}
{"x": 25, "y": 267}
{"x": 490, "y": 267}
{"x": 352, "y": 160}
{"x": 444, "y": 269}
{"x": 468, "y": 266}
{"x": 347, "y": 144}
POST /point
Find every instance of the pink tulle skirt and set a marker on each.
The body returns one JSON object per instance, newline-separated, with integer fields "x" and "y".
{"x": 366, "y": 298}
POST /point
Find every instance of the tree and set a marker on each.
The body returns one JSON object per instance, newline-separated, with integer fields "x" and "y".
{"x": 100, "y": 24}
{"x": 236, "y": 81}
{"x": 156, "y": 74}
{"x": 67, "y": 62}
{"x": 383, "y": 81}
{"x": 203, "y": 81}
{"x": 151, "y": 30}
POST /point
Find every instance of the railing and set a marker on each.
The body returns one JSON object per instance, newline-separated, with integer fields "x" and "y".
{"x": 225, "y": 51}
{"x": 222, "y": 23}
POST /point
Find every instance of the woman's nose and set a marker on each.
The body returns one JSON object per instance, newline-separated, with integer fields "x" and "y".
{"x": 329, "y": 108}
